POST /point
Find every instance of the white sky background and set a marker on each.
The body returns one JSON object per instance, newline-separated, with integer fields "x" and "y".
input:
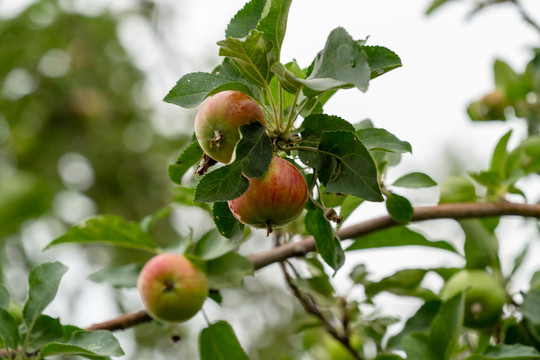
{"x": 447, "y": 62}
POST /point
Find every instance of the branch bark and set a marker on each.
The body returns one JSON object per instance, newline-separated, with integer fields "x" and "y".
{"x": 307, "y": 244}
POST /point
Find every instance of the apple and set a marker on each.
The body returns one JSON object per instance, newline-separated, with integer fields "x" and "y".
{"x": 218, "y": 120}
{"x": 172, "y": 289}
{"x": 274, "y": 199}
{"x": 484, "y": 297}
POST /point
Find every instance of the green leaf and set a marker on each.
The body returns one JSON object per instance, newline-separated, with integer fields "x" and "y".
{"x": 397, "y": 236}
{"x": 399, "y": 208}
{"x": 457, "y": 189}
{"x": 531, "y": 306}
{"x": 415, "y": 180}
{"x": 193, "y": 88}
{"x": 9, "y": 332}
{"x": 45, "y": 330}
{"x": 190, "y": 156}
{"x": 508, "y": 352}
{"x": 341, "y": 64}
{"x": 254, "y": 150}
{"x": 108, "y": 229}
{"x": 87, "y": 344}
{"x": 246, "y": 19}
{"x": 535, "y": 281}
{"x": 382, "y": 140}
{"x": 328, "y": 245}
{"x": 417, "y": 346}
{"x": 228, "y": 270}
{"x": 224, "y": 183}
{"x": 4, "y": 297}
{"x": 419, "y": 322}
{"x": 447, "y": 325}
{"x": 252, "y": 57}
{"x": 481, "y": 244}
{"x": 213, "y": 245}
{"x": 43, "y": 282}
{"x": 253, "y": 156}
{"x": 119, "y": 277}
{"x": 218, "y": 342}
{"x": 313, "y": 127}
{"x": 381, "y": 60}
{"x": 290, "y": 81}
{"x": 500, "y": 154}
{"x": 227, "y": 225}
{"x": 435, "y": 4}
{"x": 402, "y": 282}
{"x": 274, "y": 24}
{"x": 150, "y": 220}
{"x": 388, "y": 357}
{"x": 349, "y": 205}
{"x": 186, "y": 196}
{"x": 354, "y": 172}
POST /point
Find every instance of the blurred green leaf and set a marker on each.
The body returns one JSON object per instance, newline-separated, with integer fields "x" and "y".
{"x": 108, "y": 229}
{"x": 447, "y": 324}
{"x": 118, "y": 277}
{"x": 508, "y": 352}
{"x": 88, "y": 344}
{"x": 228, "y": 270}
{"x": 399, "y": 208}
{"x": 402, "y": 282}
{"x": 218, "y": 342}
{"x": 415, "y": 180}
{"x": 4, "y": 297}
{"x": 9, "y": 332}
{"x": 43, "y": 282}
{"x": 531, "y": 306}
{"x": 419, "y": 322}
{"x": 417, "y": 346}
{"x": 481, "y": 244}
{"x": 328, "y": 246}
{"x": 213, "y": 245}
{"x": 457, "y": 189}
{"x": 397, "y": 236}
{"x": 45, "y": 330}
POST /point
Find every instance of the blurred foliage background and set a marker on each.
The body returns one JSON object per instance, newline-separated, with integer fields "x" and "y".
{"x": 80, "y": 135}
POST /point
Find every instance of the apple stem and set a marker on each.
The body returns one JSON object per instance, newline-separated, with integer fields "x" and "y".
{"x": 216, "y": 140}
{"x": 268, "y": 228}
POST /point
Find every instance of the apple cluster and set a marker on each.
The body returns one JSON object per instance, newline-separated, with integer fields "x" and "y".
{"x": 272, "y": 200}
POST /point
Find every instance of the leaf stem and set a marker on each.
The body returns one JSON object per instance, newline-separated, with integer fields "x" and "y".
{"x": 292, "y": 115}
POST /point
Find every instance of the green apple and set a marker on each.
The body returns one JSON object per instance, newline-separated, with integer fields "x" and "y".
{"x": 172, "y": 288}
{"x": 484, "y": 297}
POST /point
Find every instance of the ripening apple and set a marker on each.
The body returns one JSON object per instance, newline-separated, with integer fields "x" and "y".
{"x": 218, "y": 120}
{"x": 172, "y": 289}
{"x": 484, "y": 297}
{"x": 274, "y": 199}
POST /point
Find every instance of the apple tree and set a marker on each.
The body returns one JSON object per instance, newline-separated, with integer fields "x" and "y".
{"x": 266, "y": 155}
